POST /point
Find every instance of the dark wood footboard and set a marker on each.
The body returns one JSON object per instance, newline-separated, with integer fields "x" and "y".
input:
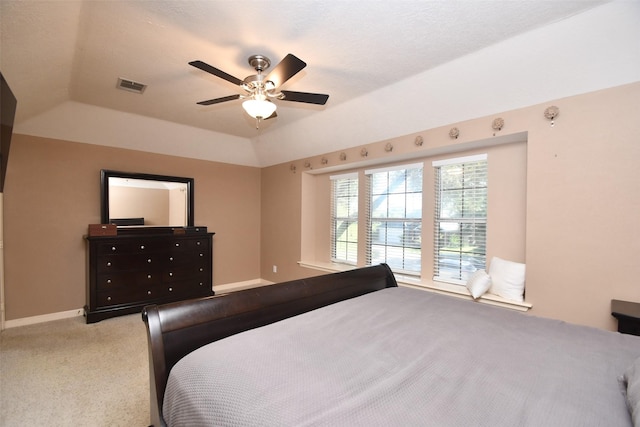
{"x": 176, "y": 329}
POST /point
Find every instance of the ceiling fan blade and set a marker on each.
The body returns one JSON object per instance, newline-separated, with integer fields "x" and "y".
{"x": 219, "y": 100}
{"x": 218, "y": 73}
{"x": 309, "y": 98}
{"x": 287, "y": 68}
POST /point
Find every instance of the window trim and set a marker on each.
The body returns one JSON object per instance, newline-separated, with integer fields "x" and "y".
{"x": 395, "y": 168}
{"x": 458, "y": 160}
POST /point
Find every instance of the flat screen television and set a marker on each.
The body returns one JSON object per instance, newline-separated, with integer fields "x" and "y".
{"x": 8, "y": 105}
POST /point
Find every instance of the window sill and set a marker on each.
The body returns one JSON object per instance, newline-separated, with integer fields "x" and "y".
{"x": 427, "y": 285}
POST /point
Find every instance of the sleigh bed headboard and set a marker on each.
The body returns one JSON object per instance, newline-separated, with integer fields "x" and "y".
{"x": 176, "y": 329}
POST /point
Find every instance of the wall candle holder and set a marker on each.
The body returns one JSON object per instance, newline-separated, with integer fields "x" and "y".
{"x": 551, "y": 113}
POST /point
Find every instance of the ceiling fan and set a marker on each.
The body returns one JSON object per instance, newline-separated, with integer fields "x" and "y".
{"x": 260, "y": 89}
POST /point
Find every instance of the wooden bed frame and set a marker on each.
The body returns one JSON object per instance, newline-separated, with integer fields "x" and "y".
{"x": 176, "y": 329}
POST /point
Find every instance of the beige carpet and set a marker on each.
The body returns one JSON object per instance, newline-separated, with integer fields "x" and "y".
{"x": 68, "y": 373}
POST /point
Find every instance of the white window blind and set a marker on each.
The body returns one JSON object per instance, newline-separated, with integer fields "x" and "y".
{"x": 344, "y": 218}
{"x": 460, "y": 221}
{"x": 394, "y": 226}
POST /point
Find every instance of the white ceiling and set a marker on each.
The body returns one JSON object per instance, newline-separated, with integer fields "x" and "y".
{"x": 58, "y": 55}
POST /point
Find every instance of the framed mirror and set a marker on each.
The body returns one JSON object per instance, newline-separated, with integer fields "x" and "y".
{"x": 145, "y": 200}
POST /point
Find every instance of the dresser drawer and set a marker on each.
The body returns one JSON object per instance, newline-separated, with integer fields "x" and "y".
{"x": 189, "y": 244}
{"x": 191, "y": 288}
{"x": 127, "y": 295}
{"x": 124, "y": 262}
{"x": 185, "y": 272}
{"x": 163, "y": 292}
{"x": 186, "y": 257}
{"x": 116, "y": 280}
{"x": 130, "y": 247}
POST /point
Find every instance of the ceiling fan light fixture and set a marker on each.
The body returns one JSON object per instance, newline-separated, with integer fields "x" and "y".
{"x": 259, "y": 109}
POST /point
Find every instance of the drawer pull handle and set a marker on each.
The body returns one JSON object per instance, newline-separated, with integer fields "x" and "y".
{"x": 148, "y": 276}
{"x": 108, "y": 264}
{"x": 198, "y": 243}
{"x": 149, "y": 260}
{"x": 148, "y": 292}
{"x": 113, "y": 248}
{"x": 142, "y": 247}
{"x": 108, "y": 298}
{"x": 201, "y": 269}
{"x": 201, "y": 254}
{"x": 201, "y": 283}
{"x": 177, "y": 244}
{"x": 170, "y": 289}
{"x": 170, "y": 274}
{"x": 170, "y": 258}
{"x": 108, "y": 280}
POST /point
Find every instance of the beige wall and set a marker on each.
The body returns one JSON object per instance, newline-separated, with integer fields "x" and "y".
{"x": 582, "y": 197}
{"x": 52, "y": 193}
{"x": 582, "y": 200}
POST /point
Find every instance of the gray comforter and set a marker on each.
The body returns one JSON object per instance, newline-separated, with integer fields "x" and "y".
{"x": 405, "y": 357}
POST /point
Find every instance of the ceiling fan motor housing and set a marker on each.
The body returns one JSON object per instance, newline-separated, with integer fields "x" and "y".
{"x": 257, "y": 84}
{"x": 259, "y": 62}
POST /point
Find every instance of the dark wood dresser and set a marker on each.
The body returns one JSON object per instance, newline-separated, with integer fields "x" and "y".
{"x": 128, "y": 271}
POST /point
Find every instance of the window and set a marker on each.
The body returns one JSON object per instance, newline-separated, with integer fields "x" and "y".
{"x": 344, "y": 218}
{"x": 460, "y": 217}
{"x": 395, "y": 218}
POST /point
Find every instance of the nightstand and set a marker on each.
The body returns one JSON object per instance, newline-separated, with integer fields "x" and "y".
{"x": 628, "y": 315}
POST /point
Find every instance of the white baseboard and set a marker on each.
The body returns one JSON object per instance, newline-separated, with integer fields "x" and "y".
{"x": 238, "y": 286}
{"x": 43, "y": 318}
{"x": 219, "y": 289}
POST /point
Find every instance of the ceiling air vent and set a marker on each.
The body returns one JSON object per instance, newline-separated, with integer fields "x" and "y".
{"x": 130, "y": 85}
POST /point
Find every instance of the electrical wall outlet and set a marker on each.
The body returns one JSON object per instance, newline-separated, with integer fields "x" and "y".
{"x": 275, "y": 268}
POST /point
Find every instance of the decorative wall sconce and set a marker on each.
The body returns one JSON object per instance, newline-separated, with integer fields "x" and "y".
{"x": 292, "y": 168}
{"x": 324, "y": 160}
{"x": 364, "y": 152}
{"x": 388, "y": 148}
{"x": 418, "y": 141}
{"x": 454, "y": 133}
{"x": 498, "y": 124}
{"x": 551, "y": 113}
{"x": 343, "y": 156}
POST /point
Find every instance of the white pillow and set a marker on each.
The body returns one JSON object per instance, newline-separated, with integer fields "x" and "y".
{"x": 478, "y": 283}
{"x": 507, "y": 279}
